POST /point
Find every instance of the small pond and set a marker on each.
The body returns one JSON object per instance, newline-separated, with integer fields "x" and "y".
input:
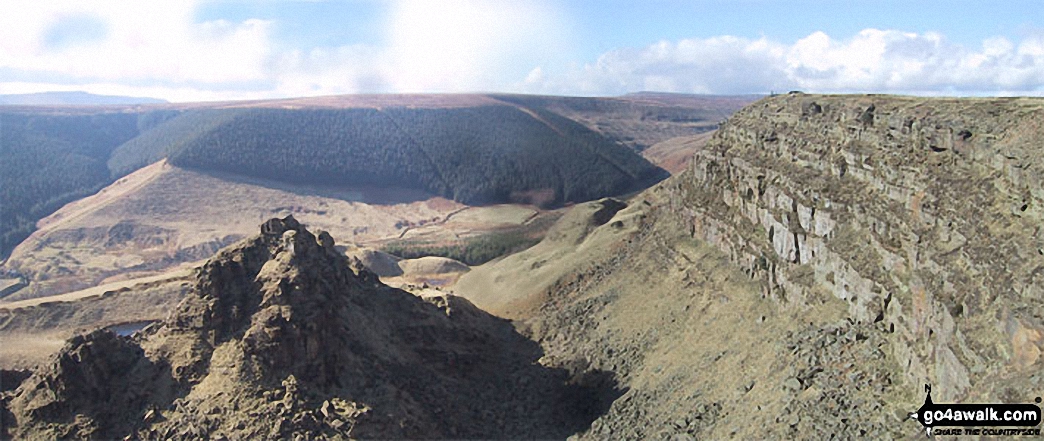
{"x": 126, "y": 329}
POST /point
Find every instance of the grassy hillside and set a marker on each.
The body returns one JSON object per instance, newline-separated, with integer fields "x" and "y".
{"x": 471, "y": 148}
{"x": 698, "y": 350}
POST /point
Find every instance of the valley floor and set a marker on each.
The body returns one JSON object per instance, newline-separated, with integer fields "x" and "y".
{"x": 145, "y": 233}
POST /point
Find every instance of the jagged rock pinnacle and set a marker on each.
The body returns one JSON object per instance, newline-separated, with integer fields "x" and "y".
{"x": 283, "y": 336}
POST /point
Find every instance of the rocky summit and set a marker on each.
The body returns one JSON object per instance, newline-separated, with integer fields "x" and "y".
{"x": 284, "y": 337}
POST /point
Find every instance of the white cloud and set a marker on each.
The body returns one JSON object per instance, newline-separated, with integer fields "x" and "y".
{"x": 535, "y": 76}
{"x": 330, "y": 71}
{"x": 714, "y": 65}
{"x": 434, "y": 46}
{"x": 871, "y": 61}
{"x": 145, "y": 48}
{"x": 160, "y": 49}
{"x": 461, "y": 45}
{"x": 137, "y": 42}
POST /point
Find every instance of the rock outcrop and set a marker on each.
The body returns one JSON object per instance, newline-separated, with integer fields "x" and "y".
{"x": 87, "y": 388}
{"x": 923, "y": 215}
{"x": 281, "y": 337}
{"x": 822, "y": 259}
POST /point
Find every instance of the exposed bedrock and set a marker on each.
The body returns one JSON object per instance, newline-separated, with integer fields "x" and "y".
{"x": 922, "y": 214}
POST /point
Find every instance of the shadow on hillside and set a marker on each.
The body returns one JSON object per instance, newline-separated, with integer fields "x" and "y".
{"x": 479, "y": 373}
{"x": 437, "y": 367}
{"x": 576, "y": 395}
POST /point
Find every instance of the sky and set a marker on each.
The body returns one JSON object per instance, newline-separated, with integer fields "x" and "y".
{"x": 200, "y": 50}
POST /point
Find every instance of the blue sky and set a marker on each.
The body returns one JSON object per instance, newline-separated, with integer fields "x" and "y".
{"x": 216, "y": 50}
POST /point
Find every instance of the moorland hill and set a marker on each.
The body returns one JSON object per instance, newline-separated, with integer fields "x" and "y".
{"x": 470, "y": 148}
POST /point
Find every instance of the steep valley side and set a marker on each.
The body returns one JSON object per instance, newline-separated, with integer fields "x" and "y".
{"x": 161, "y": 217}
{"x": 822, "y": 259}
{"x": 179, "y": 181}
{"x": 472, "y": 148}
{"x": 695, "y": 345}
{"x": 818, "y": 262}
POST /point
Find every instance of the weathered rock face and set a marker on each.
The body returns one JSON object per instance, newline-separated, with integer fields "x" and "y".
{"x": 83, "y": 392}
{"x": 922, "y": 214}
{"x": 283, "y": 337}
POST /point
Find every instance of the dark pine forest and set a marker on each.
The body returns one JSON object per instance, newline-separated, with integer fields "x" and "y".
{"x": 479, "y": 154}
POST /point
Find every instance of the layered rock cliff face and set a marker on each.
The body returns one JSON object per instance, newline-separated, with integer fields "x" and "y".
{"x": 923, "y": 215}
{"x": 284, "y": 337}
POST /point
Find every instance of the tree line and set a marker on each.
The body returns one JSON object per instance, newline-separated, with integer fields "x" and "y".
{"x": 474, "y": 155}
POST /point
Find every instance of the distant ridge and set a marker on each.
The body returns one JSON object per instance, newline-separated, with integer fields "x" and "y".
{"x": 472, "y": 148}
{"x": 732, "y": 102}
{"x": 72, "y": 99}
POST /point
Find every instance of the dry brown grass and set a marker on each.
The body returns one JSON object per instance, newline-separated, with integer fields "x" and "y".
{"x": 33, "y": 330}
{"x": 180, "y": 215}
{"x": 23, "y": 350}
{"x": 675, "y": 154}
{"x": 100, "y": 290}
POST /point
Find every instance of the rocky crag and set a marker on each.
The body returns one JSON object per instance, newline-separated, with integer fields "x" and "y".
{"x": 284, "y": 337}
{"x": 696, "y": 346}
{"x": 822, "y": 259}
{"x": 923, "y": 215}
